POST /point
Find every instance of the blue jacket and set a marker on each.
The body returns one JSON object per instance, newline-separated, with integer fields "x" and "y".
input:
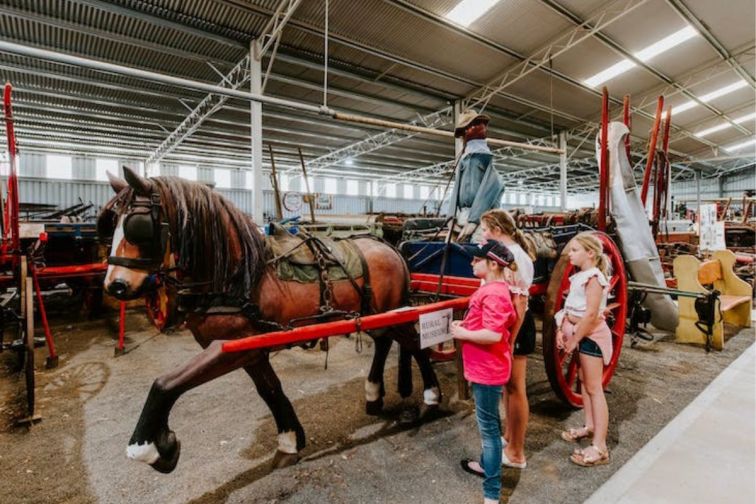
{"x": 477, "y": 186}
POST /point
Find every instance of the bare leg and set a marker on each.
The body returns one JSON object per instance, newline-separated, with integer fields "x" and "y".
{"x": 517, "y": 410}
{"x": 587, "y": 407}
{"x": 374, "y": 389}
{"x": 291, "y": 436}
{"x": 593, "y": 368}
{"x": 152, "y": 441}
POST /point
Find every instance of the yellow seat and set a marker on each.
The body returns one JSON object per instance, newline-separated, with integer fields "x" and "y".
{"x": 735, "y": 301}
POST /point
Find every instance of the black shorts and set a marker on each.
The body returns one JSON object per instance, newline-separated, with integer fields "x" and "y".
{"x": 526, "y": 338}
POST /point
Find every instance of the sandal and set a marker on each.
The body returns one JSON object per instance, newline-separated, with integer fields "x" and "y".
{"x": 573, "y": 435}
{"x": 465, "y": 463}
{"x": 591, "y": 456}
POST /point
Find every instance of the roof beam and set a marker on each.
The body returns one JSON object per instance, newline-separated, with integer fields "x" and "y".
{"x": 233, "y": 80}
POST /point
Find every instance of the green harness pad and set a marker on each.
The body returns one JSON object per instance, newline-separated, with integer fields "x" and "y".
{"x": 296, "y": 262}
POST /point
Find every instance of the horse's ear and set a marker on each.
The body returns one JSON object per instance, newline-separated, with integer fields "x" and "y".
{"x": 141, "y": 185}
{"x": 117, "y": 183}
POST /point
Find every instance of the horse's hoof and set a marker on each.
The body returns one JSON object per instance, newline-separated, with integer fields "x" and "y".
{"x": 283, "y": 459}
{"x": 374, "y": 408}
{"x": 166, "y": 464}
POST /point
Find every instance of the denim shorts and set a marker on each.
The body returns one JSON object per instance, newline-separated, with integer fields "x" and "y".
{"x": 589, "y": 347}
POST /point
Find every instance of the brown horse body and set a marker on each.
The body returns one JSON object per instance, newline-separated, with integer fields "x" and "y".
{"x": 232, "y": 261}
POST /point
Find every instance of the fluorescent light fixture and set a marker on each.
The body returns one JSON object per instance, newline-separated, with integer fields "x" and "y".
{"x": 708, "y": 97}
{"x": 666, "y": 43}
{"x": 713, "y": 129}
{"x": 644, "y": 54}
{"x": 744, "y": 118}
{"x": 468, "y": 11}
{"x": 349, "y": 162}
{"x": 735, "y": 147}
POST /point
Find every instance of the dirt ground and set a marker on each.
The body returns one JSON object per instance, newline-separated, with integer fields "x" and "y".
{"x": 91, "y": 403}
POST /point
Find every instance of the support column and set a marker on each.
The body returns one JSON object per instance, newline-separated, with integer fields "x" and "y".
{"x": 563, "y": 171}
{"x": 255, "y": 120}
{"x": 698, "y": 193}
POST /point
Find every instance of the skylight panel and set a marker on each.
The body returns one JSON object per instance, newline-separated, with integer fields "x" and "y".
{"x": 713, "y": 129}
{"x": 467, "y": 11}
{"x": 644, "y": 55}
{"x": 708, "y": 97}
{"x": 739, "y": 146}
{"x": 742, "y": 119}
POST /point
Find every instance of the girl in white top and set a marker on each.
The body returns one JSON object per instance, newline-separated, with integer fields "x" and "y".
{"x": 498, "y": 225}
{"x": 581, "y": 326}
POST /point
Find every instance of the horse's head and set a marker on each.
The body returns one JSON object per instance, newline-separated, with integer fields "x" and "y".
{"x": 134, "y": 223}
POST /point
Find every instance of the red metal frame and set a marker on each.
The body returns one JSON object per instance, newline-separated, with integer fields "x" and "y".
{"x": 341, "y": 327}
{"x": 652, "y": 149}
{"x": 627, "y": 118}
{"x": 604, "y": 162}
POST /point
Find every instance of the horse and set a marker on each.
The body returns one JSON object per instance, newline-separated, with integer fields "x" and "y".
{"x": 172, "y": 232}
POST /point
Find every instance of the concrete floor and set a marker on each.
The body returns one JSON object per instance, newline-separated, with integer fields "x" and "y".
{"x": 706, "y": 454}
{"x": 90, "y": 405}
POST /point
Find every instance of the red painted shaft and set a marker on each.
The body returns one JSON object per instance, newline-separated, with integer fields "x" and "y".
{"x": 340, "y": 327}
{"x": 12, "y": 180}
{"x": 627, "y": 118}
{"x": 652, "y": 149}
{"x": 43, "y": 314}
{"x": 121, "y": 325}
{"x": 604, "y": 162}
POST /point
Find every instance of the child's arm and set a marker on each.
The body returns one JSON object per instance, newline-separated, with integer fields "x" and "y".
{"x": 593, "y": 293}
{"x": 481, "y": 336}
{"x": 520, "y": 303}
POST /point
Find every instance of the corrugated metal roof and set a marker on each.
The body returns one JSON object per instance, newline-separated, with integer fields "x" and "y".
{"x": 392, "y": 59}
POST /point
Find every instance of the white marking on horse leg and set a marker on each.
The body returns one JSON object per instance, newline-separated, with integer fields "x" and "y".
{"x": 431, "y": 396}
{"x": 372, "y": 391}
{"x": 287, "y": 442}
{"x": 146, "y": 452}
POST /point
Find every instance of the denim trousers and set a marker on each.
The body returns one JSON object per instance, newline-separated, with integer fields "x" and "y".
{"x": 487, "y": 399}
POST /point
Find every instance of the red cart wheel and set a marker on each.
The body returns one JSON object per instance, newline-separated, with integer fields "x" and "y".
{"x": 562, "y": 369}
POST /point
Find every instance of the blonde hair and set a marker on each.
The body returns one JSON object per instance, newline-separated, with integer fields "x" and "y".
{"x": 501, "y": 219}
{"x": 591, "y": 243}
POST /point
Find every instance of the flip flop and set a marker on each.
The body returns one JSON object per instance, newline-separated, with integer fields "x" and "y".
{"x": 465, "y": 463}
{"x": 506, "y": 462}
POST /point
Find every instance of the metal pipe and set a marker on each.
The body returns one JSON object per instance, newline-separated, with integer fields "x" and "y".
{"x": 432, "y": 131}
{"x": 604, "y": 162}
{"x": 627, "y": 118}
{"x": 34, "y": 52}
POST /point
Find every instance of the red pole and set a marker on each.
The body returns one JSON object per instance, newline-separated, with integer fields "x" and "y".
{"x": 627, "y": 118}
{"x": 651, "y": 149}
{"x": 340, "y": 327}
{"x": 53, "y": 358}
{"x": 604, "y": 162}
{"x": 121, "y": 327}
{"x": 12, "y": 180}
{"x": 665, "y": 138}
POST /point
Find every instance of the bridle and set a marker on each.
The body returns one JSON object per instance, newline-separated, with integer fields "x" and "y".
{"x": 144, "y": 228}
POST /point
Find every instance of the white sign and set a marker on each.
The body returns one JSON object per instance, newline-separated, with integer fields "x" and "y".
{"x": 710, "y": 232}
{"x": 435, "y": 327}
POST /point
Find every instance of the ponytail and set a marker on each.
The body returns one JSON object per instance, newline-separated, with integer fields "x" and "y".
{"x": 501, "y": 219}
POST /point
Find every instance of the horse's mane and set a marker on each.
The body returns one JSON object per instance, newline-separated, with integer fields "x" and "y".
{"x": 202, "y": 225}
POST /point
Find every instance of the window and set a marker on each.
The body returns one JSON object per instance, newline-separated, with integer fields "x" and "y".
{"x": 187, "y": 172}
{"x": 59, "y": 167}
{"x": 330, "y": 185}
{"x": 138, "y": 166}
{"x": 103, "y": 166}
{"x": 391, "y": 190}
{"x": 523, "y": 199}
{"x": 424, "y": 192}
{"x": 248, "y": 180}
{"x": 222, "y": 178}
{"x": 283, "y": 182}
{"x": 153, "y": 170}
{"x": 467, "y": 11}
{"x": 352, "y": 187}
{"x": 4, "y": 164}
{"x": 409, "y": 191}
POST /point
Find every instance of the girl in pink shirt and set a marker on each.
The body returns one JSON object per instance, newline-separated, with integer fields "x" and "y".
{"x": 581, "y": 326}
{"x": 487, "y": 357}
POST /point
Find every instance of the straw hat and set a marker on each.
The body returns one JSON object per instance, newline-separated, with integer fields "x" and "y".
{"x": 466, "y": 118}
